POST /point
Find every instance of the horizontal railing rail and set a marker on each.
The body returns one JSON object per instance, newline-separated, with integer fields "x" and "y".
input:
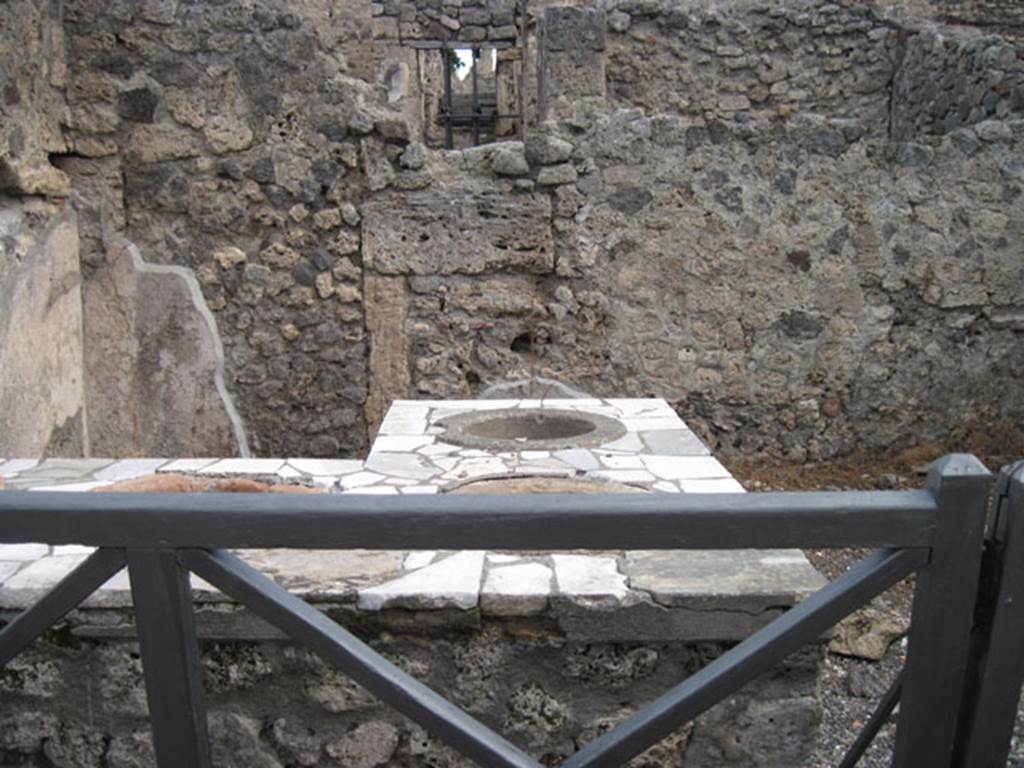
{"x": 936, "y": 533}
{"x": 469, "y": 521}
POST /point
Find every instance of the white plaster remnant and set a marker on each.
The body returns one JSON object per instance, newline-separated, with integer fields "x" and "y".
{"x": 516, "y": 590}
{"x": 451, "y": 583}
{"x": 188, "y": 276}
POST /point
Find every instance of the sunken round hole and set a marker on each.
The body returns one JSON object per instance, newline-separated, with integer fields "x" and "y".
{"x": 518, "y": 429}
{"x": 531, "y": 426}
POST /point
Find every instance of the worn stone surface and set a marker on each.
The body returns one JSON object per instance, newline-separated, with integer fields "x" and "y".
{"x": 868, "y": 633}
{"x": 756, "y": 60}
{"x": 741, "y": 580}
{"x": 948, "y": 83}
{"x": 152, "y": 364}
{"x": 42, "y": 399}
{"x": 545, "y": 694}
{"x": 32, "y": 99}
{"x": 387, "y": 309}
{"x": 432, "y": 22}
{"x": 483, "y": 231}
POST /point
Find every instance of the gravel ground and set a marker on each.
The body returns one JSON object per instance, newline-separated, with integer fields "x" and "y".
{"x": 851, "y": 689}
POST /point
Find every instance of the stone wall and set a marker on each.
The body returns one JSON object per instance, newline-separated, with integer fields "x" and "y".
{"x": 239, "y": 134}
{"x": 442, "y": 21}
{"x": 42, "y": 408}
{"x": 999, "y": 15}
{"x": 155, "y": 385}
{"x": 946, "y": 82}
{"x": 79, "y": 702}
{"x": 42, "y": 401}
{"x": 752, "y": 60}
{"x": 32, "y": 103}
{"x": 763, "y": 211}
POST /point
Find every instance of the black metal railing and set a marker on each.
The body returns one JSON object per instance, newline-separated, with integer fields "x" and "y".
{"x": 957, "y": 693}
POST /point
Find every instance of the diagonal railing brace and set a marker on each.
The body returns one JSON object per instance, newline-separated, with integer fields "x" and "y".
{"x": 379, "y": 676}
{"x": 754, "y": 656}
{"x": 69, "y": 593}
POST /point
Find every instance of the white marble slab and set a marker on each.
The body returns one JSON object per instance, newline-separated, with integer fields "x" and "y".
{"x": 454, "y": 582}
{"x": 516, "y": 590}
{"x": 243, "y": 467}
{"x": 128, "y": 469}
{"x": 326, "y": 466}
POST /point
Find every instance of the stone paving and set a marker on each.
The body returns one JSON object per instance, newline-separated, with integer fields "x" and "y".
{"x": 671, "y": 595}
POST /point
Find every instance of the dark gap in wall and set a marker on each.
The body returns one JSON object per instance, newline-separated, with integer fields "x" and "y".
{"x": 894, "y": 83}
{"x": 521, "y": 343}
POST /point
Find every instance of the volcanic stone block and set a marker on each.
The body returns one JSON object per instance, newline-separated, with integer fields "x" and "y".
{"x": 573, "y": 58}
{"x": 570, "y": 29}
{"x": 458, "y": 232}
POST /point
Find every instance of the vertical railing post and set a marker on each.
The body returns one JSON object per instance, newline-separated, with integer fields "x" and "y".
{"x": 942, "y": 618}
{"x": 990, "y": 707}
{"x": 449, "y": 139}
{"x": 170, "y": 658}
{"x": 476, "y": 98}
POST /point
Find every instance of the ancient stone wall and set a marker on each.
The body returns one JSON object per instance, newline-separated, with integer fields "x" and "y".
{"x": 80, "y": 702}
{"x": 42, "y": 401}
{"x": 239, "y": 135}
{"x": 946, "y": 82}
{"x": 32, "y": 103}
{"x": 998, "y": 15}
{"x": 760, "y": 211}
{"x": 751, "y": 60}
{"x": 444, "y": 21}
{"x": 155, "y": 367}
{"x": 42, "y": 408}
